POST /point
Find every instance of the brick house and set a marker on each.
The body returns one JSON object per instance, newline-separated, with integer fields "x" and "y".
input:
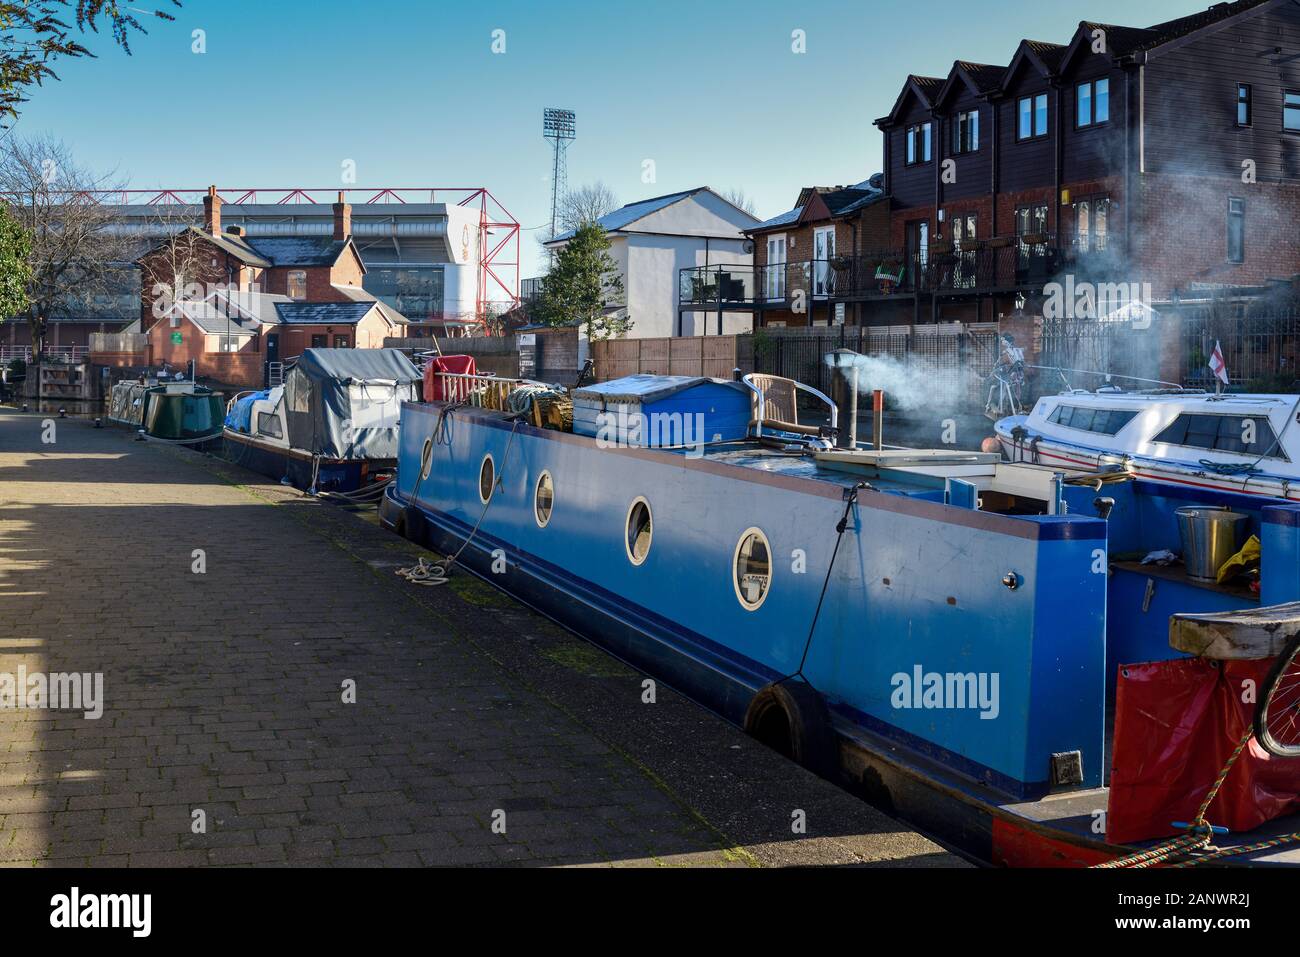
{"x": 1160, "y": 159}
{"x": 801, "y": 256}
{"x": 242, "y": 305}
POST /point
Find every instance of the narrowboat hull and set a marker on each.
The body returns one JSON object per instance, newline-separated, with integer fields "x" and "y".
{"x": 918, "y": 584}
{"x": 300, "y": 468}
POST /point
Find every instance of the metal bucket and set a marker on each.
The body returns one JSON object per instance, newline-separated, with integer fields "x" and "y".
{"x": 1210, "y": 537}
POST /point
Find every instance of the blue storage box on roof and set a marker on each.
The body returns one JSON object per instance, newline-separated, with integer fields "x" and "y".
{"x": 663, "y": 411}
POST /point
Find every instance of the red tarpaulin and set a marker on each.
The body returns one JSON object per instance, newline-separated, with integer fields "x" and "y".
{"x": 1176, "y": 724}
{"x": 433, "y": 385}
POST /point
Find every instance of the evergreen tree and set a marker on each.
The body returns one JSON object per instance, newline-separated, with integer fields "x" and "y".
{"x": 584, "y": 287}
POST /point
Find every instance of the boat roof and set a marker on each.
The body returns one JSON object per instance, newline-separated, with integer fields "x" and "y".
{"x": 646, "y": 388}
{"x": 1181, "y": 398}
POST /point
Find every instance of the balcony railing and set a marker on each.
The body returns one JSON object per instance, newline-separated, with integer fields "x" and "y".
{"x": 771, "y": 283}
{"x": 982, "y": 265}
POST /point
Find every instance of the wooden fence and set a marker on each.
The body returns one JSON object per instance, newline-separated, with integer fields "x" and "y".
{"x": 713, "y": 356}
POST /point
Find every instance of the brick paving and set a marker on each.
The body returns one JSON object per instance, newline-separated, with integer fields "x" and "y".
{"x": 224, "y": 692}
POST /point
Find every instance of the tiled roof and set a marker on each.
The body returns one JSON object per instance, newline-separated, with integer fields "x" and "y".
{"x": 985, "y": 76}
{"x": 785, "y": 219}
{"x": 1049, "y": 53}
{"x": 322, "y": 313}
{"x": 1181, "y": 27}
{"x": 1121, "y": 41}
{"x": 298, "y": 252}
{"x": 357, "y": 294}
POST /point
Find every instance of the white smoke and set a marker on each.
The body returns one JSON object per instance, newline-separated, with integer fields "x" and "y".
{"x": 909, "y": 384}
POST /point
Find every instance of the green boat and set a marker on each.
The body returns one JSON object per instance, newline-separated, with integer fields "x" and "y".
{"x": 175, "y": 411}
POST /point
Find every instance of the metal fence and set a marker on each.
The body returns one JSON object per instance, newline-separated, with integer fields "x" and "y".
{"x": 1088, "y": 353}
{"x": 948, "y": 363}
{"x": 1260, "y": 346}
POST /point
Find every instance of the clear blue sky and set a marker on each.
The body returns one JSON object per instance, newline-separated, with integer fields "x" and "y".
{"x": 411, "y": 90}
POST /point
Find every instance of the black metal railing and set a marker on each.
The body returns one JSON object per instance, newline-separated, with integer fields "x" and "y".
{"x": 981, "y": 265}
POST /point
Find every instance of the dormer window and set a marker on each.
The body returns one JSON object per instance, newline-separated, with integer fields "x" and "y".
{"x": 966, "y": 132}
{"x": 1032, "y": 114}
{"x": 1092, "y": 103}
{"x": 918, "y": 144}
{"x": 297, "y": 284}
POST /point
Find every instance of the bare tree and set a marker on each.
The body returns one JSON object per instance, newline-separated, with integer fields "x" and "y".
{"x": 586, "y": 204}
{"x": 175, "y": 265}
{"x": 738, "y": 197}
{"x": 79, "y": 253}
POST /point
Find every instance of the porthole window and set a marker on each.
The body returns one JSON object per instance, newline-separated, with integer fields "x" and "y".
{"x": 543, "y": 499}
{"x": 487, "y": 475}
{"x": 426, "y": 458}
{"x": 639, "y": 532}
{"x": 752, "y": 568}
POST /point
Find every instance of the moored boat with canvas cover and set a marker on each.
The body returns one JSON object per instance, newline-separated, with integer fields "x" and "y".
{"x": 332, "y": 426}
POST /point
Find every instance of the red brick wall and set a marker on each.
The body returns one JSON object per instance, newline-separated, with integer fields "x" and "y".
{"x": 898, "y": 224}
{"x": 1180, "y": 231}
{"x": 1008, "y": 203}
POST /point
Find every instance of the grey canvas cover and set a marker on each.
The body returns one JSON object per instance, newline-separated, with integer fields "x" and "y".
{"x": 344, "y": 403}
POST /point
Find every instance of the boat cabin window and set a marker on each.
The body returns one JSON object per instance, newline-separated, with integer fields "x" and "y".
{"x": 1101, "y": 421}
{"x": 753, "y": 568}
{"x": 639, "y": 532}
{"x": 268, "y": 423}
{"x": 543, "y": 499}
{"x": 1223, "y": 433}
{"x": 486, "y": 477}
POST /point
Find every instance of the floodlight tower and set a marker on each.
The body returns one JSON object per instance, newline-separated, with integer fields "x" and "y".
{"x": 561, "y": 128}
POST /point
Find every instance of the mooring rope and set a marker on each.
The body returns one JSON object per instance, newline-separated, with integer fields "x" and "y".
{"x": 425, "y": 572}
{"x": 1200, "y": 832}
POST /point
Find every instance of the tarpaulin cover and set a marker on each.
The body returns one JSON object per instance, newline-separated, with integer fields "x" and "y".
{"x": 1176, "y": 724}
{"x": 462, "y": 365}
{"x": 240, "y": 416}
{"x": 344, "y": 403}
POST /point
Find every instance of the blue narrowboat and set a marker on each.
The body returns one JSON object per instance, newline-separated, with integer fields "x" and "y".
{"x": 940, "y": 630}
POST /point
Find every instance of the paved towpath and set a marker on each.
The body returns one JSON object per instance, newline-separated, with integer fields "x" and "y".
{"x": 229, "y": 616}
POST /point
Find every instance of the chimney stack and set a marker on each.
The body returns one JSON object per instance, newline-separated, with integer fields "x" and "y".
{"x": 342, "y": 218}
{"x": 212, "y": 211}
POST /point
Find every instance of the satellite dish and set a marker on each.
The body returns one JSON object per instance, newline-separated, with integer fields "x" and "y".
{"x": 749, "y": 246}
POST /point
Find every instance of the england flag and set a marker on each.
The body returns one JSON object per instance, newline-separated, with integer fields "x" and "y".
{"x": 1217, "y": 365}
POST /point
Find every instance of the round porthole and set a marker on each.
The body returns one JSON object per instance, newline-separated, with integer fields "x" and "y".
{"x": 426, "y": 458}
{"x": 639, "y": 531}
{"x": 752, "y": 568}
{"x": 543, "y": 499}
{"x": 487, "y": 475}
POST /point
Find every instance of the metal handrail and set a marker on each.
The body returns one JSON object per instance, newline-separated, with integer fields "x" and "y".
{"x": 482, "y": 391}
{"x": 1111, "y": 375}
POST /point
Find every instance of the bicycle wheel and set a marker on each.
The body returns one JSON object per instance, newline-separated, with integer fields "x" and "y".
{"x": 1277, "y": 718}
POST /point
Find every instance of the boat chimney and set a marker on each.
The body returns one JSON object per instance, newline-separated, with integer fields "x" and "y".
{"x": 844, "y": 393}
{"x": 878, "y": 419}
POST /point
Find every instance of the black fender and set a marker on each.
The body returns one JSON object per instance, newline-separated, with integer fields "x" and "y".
{"x": 791, "y": 717}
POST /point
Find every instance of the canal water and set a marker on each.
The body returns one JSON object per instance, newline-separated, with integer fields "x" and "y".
{"x": 72, "y": 408}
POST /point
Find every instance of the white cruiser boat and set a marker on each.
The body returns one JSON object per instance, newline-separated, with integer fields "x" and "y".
{"x": 1242, "y": 444}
